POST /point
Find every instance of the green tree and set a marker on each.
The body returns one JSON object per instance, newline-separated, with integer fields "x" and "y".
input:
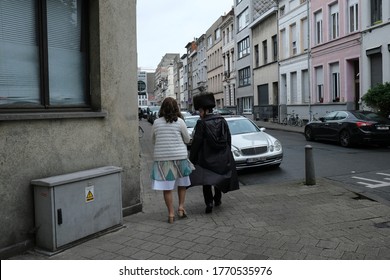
{"x": 378, "y": 98}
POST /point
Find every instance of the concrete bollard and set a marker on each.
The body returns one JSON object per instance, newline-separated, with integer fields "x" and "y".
{"x": 309, "y": 166}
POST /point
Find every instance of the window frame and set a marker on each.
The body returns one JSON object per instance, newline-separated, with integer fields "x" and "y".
{"x": 376, "y": 11}
{"x": 319, "y": 37}
{"x": 44, "y": 106}
{"x": 353, "y": 16}
{"x": 265, "y": 51}
{"x": 243, "y": 48}
{"x": 244, "y": 77}
{"x": 243, "y": 20}
{"x": 334, "y": 22}
{"x": 335, "y": 81}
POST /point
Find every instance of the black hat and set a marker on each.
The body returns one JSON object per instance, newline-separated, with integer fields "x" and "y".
{"x": 204, "y": 100}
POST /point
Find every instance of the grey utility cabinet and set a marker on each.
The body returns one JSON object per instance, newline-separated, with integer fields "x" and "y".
{"x": 72, "y": 206}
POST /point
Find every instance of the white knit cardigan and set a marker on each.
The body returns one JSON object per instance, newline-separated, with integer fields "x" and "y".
{"x": 169, "y": 139}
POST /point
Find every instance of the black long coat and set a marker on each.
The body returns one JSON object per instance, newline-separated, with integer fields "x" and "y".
{"x": 211, "y": 154}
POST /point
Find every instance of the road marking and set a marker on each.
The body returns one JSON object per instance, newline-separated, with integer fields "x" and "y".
{"x": 379, "y": 184}
{"x": 384, "y": 174}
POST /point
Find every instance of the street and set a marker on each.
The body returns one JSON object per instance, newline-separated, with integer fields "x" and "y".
{"x": 352, "y": 166}
{"x": 366, "y": 169}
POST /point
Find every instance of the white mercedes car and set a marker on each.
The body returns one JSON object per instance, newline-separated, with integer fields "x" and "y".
{"x": 251, "y": 146}
{"x": 191, "y": 122}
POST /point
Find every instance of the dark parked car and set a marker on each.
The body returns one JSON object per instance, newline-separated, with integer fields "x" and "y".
{"x": 350, "y": 127}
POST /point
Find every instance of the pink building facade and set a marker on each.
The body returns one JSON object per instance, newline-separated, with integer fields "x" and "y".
{"x": 335, "y": 55}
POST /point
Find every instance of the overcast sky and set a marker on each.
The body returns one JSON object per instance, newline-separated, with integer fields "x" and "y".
{"x": 166, "y": 26}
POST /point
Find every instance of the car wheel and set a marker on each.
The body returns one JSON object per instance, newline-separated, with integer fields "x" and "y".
{"x": 309, "y": 134}
{"x": 345, "y": 138}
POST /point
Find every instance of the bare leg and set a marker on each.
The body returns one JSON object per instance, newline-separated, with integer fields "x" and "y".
{"x": 169, "y": 203}
{"x": 181, "y": 192}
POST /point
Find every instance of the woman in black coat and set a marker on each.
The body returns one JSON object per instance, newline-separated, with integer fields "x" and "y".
{"x": 211, "y": 153}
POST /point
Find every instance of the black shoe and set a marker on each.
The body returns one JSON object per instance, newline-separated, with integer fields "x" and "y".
{"x": 217, "y": 203}
{"x": 209, "y": 209}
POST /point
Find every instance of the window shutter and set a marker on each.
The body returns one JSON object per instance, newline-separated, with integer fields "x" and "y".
{"x": 19, "y": 54}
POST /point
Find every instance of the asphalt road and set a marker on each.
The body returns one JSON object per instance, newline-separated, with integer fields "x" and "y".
{"x": 366, "y": 169}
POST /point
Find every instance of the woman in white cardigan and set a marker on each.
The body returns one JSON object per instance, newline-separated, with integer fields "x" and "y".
{"x": 171, "y": 167}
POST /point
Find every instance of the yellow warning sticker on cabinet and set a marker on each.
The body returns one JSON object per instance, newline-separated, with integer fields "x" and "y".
{"x": 89, "y": 194}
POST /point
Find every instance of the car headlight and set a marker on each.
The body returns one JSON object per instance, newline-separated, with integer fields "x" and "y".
{"x": 278, "y": 145}
{"x": 236, "y": 152}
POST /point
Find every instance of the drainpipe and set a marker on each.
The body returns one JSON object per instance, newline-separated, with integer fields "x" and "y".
{"x": 308, "y": 56}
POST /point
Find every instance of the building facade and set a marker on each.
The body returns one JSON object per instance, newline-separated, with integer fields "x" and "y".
{"x": 228, "y": 58}
{"x": 294, "y": 79}
{"x": 243, "y": 13}
{"x": 375, "y": 46}
{"x": 265, "y": 61}
{"x": 214, "y": 62}
{"x": 164, "y": 77}
{"x": 335, "y": 52}
{"x": 80, "y": 115}
{"x": 324, "y": 56}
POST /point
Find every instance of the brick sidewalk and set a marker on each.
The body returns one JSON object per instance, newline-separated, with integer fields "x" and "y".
{"x": 278, "y": 221}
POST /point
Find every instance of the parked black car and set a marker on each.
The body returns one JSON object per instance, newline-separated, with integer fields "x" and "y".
{"x": 350, "y": 127}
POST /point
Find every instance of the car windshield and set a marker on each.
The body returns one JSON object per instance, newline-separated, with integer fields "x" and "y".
{"x": 242, "y": 126}
{"x": 191, "y": 122}
{"x": 222, "y": 111}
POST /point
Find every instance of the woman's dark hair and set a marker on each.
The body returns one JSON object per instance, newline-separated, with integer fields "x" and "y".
{"x": 170, "y": 110}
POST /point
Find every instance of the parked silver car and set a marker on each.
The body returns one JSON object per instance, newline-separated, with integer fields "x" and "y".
{"x": 191, "y": 122}
{"x": 251, "y": 146}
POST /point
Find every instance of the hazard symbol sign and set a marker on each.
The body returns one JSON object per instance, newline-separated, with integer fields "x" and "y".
{"x": 89, "y": 194}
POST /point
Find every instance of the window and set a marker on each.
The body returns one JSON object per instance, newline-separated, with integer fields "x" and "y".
{"x": 275, "y": 48}
{"x": 305, "y": 86}
{"x": 282, "y": 10}
{"x": 257, "y": 56}
{"x": 334, "y": 21}
{"x": 244, "y": 77}
{"x": 209, "y": 41}
{"x": 247, "y": 105}
{"x": 293, "y": 36}
{"x": 376, "y": 65}
{"x": 217, "y": 34}
{"x": 43, "y": 55}
{"x": 293, "y": 88}
{"x": 283, "y": 42}
{"x": 318, "y": 27}
{"x": 265, "y": 52}
{"x": 353, "y": 14}
{"x": 376, "y": 11}
{"x": 335, "y": 81}
{"x": 319, "y": 84}
{"x": 243, "y": 48}
{"x": 242, "y": 20}
{"x": 304, "y": 34}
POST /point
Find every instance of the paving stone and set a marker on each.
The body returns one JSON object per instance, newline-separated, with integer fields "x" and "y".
{"x": 218, "y": 251}
{"x": 332, "y": 254}
{"x": 180, "y": 254}
{"x": 326, "y": 244}
{"x": 164, "y": 249}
